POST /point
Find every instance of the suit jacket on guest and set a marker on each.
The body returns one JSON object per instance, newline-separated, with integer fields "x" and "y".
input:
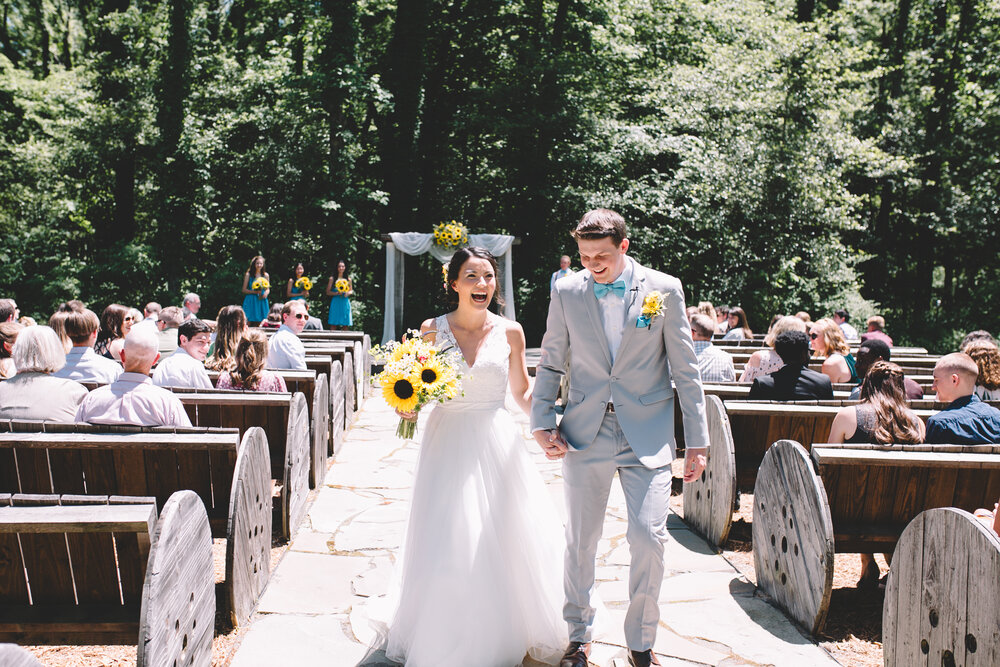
{"x": 792, "y": 383}
{"x": 638, "y": 383}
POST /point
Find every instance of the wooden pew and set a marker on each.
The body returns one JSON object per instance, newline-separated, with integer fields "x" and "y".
{"x": 350, "y": 356}
{"x": 341, "y": 410}
{"x": 363, "y": 355}
{"x": 852, "y": 498}
{"x": 230, "y": 474}
{"x": 284, "y": 419}
{"x": 941, "y": 597}
{"x": 99, "y": 570}
{"x": 316, "y": 389}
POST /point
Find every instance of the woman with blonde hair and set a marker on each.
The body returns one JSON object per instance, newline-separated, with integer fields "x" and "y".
{"x": 249, "y": 373}
{"x": 231, "y": 324}
{"x": 987, "y": 358}
{"x": 828, "y": 341}
{"x": 882, "y": 417}
{"x": 706, "y": 308}
{"x": 766, "y": 361}
{"x": 58, "y": 324}
{"x": 33, "y": 393}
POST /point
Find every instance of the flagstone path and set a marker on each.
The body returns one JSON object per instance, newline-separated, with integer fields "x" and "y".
{"x": 314, "y": 610}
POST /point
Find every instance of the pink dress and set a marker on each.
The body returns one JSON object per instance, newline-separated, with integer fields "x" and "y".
{"x": 268, "y": 382}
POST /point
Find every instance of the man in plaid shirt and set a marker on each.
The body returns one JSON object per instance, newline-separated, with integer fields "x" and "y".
{"x": 714, "y": 364}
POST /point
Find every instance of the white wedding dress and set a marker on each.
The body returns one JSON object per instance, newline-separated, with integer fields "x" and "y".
{"x": 480, "y": 577}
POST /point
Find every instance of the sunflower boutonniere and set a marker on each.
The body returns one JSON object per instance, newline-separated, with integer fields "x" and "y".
{"x": 652, "y": 307}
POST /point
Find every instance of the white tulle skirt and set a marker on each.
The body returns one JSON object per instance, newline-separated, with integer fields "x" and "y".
{"x": 480, "y": 577}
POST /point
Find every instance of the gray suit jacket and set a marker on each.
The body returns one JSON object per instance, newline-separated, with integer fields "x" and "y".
{"x": 639, "y": 382}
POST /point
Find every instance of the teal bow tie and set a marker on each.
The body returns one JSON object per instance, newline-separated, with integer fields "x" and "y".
{"x": 618, "y": 287}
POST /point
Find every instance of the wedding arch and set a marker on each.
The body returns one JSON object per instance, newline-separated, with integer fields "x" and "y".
{"x": 416, "y": 243}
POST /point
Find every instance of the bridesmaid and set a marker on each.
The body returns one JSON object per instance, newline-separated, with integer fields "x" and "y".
{"x": 340, "y": 302}
{"x": 292, "y": 292}
{"x": 255, "y": 303}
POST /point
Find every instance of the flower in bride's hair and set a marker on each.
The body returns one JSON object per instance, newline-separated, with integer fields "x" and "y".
{"x": 400, "y": 391}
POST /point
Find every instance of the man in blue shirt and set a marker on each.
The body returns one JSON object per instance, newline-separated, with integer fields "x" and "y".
{"x": 966, "y": 420}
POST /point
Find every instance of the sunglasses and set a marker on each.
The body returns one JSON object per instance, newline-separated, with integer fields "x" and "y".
{"x": 814, "y": 336}
{"x": 129, "y": 318}
{"x": 301, "y": 316}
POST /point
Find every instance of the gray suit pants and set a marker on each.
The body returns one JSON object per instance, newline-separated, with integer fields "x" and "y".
{"x": 588, "y": 474}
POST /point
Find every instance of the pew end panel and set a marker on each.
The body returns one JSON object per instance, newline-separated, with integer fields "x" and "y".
{"x": 709, "y": 500}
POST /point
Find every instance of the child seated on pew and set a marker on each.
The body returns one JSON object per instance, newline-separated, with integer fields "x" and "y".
{"x": 881, "y": 417}
{"x": 249, "y": 374}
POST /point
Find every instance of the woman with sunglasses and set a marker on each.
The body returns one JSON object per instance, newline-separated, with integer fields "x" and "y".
{"x": 116, "y": 322}
{"x": 828, "y": 341}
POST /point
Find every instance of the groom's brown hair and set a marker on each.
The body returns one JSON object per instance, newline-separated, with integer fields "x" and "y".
{"x": 601, "y": 223}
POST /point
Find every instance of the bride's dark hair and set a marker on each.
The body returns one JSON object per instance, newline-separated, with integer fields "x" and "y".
{"x": 461, "y": 256}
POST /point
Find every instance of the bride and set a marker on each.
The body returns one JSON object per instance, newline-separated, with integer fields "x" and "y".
{"x": 480, "y": 578}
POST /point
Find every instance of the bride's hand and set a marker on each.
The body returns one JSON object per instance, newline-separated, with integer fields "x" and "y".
{"x": 409, "y": 416}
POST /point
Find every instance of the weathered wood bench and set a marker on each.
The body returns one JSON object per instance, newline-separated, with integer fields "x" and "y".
{"x": 364, "y": 365}
{"x": 341, "y": 412}
{"x": 708, "y": 501}
{"x": 851, "y": 499}
{"x": 284, "y": 419}
{"x": 99, "y": 570}
{"x": 941, "y": 597}
{"x": 230, "y": 474}
{"x": 316, "y": 389}
{"x": 350, "y": 356}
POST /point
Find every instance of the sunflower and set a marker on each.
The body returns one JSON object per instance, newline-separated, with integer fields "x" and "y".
{"x": 432, "y": 373}
{"x": 400, "y": 391}
{"x": 342, "y": 285}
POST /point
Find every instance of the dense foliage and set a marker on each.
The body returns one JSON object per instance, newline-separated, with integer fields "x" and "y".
{"x": 778, "y": 155}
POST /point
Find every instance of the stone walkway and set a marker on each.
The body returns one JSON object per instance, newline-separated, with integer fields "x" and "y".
{"x": 314, "y": 609}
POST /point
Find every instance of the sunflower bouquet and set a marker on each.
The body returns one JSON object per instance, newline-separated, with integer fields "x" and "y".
{"x": 451, "y": 235}
{"x": 261, "y": 284}
{"x": 342, "y": 285}
{"x": 305, "y": 283}
{"x": 416, "y": 373}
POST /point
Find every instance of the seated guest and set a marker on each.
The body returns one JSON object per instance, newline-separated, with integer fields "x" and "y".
{"x": 34, "y": 393}
{"x": 8, "y": 311}
{"x": 873, "y": 350}
{"x": 58, "y": 324}
{"x": 766, "y": 361}
{"x": 738, "y": 327}
{"x": 133, "y": 398}
{"x": 314, "y": 323}
{"x": 714, "y": 364}
{"x": 150, "y": 311}
{"x": 840, "y": 317}
{"x": 706, "y": 308}
{"x": 804, "y": 316}
{"x": 285, "y": 349}
{"x": 115, "y": 325}
{"x": 249, "y": 374}
{"x": 82, "y": 363}
{"x": 722, "y": 320}
{"x": 794, "y": 381}
{"x": 231, "y": 325}
{"x": 975, "y": 336}
{"x": 8, "y": 336}
{"x": 27, "y": 321}
{"x": 167, "y": 322}
{"x": 876, "y": 324}
{"x": 828, "y": 341}
{"x": 186, "y": 366}
{"x": 881, "y": 417}
{"x": 190, "y": 306}
{"x": 966, "y": 420}
{"x": 273, "y": 320}
{"x": 987, "y": 358}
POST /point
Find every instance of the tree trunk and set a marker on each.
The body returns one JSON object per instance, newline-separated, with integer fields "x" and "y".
{"x": 8, "y": 48}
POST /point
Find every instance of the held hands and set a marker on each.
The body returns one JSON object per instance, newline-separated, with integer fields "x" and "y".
{"x": 552, "y": 443}
{"x": 408, "y": 416}
{"x": 694, "y": 463}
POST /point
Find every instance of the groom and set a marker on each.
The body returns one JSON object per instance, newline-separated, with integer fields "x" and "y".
{"x": 620, "y": 332}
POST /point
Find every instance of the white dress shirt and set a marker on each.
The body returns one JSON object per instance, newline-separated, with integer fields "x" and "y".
{"x": 180, "y": 369}
{"x": 286, "y": 350}
{"x": 133, "y": 399}
{"x": 613, "y": 311}
{"x": 85, "y": 365}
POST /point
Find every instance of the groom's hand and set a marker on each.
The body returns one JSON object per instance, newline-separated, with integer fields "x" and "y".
{"x": 552, "y": 443}
{"x": 694, "y": 463}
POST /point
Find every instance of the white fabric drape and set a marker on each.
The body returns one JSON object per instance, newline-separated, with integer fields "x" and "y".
{"x": 415, "y": 243}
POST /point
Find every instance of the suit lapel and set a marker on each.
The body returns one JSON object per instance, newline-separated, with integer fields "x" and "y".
{"x": 594, "y": 311}
{"x": 634, "y": 301}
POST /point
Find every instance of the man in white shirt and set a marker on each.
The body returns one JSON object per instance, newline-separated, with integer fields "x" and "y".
{"x": 150, "y": 318}
{"x": 841, "y": 317}
{"x": 186, "y": 366}
{"x": 285, "y": 349}
{"x": 190, "y": 306}
{"x": 82, "y": 363}
{"x": 133, "y": 398}
{"x": 713, "y": 364}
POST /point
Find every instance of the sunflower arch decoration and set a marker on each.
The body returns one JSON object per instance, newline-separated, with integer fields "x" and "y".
{"x": 451, "y": 235}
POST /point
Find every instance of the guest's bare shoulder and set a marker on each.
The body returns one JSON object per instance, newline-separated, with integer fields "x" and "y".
{"x": 428, "y": 329}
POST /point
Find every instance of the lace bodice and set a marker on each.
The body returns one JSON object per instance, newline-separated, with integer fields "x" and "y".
{"x": 485, "y": 383}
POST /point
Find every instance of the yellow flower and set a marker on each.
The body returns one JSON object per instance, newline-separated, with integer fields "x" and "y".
{"x": 432, "y": 373}
{"x": 304, "y": 283}
{"x": 260, "y": 283}
{"x": 342, "y": 285}
{"x": 652, "y": 305}
{"x": 399, "y": 390}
